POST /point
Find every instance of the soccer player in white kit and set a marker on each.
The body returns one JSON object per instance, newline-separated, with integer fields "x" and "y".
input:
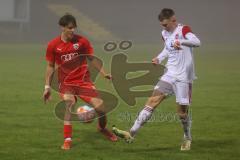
{"x": 179, "y": 43}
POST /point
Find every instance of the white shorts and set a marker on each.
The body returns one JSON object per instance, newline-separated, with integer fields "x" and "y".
{"x": 182, "y": 90}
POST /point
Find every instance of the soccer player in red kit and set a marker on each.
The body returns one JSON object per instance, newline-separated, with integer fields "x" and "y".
{"x": 70, "y": 48}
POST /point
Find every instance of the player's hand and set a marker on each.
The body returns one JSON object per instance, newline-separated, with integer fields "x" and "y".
{"x": 108, "y": 76}
{"x": 155, "y": 61}
{"x": 47, "y": 95}
{"x": 177, "y": 45}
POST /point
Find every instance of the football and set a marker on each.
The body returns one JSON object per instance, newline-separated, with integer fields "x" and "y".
{"x": 86, "y": 113}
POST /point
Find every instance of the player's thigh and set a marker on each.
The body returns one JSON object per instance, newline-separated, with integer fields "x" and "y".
{"x": 164, "y": 87}
{"x": 161, "y": 91}
{"x": 183, "y": 92}
{"x": 89, "y": 94}
{"x": 156, "y": 98}
{"x": 98, "y": 104}
{"x": 68, "y": 98}
{"x": 66, "y": 93}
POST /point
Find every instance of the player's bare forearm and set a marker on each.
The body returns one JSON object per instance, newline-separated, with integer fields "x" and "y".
{"x": 49, "y": 73}
{"x": 99, "y": 66}
{"x": 48, "y": 79}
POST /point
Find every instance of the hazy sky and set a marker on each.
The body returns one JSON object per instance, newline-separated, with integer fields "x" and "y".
{"x": 213, "y": 21}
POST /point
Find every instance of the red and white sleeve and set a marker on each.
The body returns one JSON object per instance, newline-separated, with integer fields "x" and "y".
{"x": 186, "y": 30}
{"x": 191, "y": 40}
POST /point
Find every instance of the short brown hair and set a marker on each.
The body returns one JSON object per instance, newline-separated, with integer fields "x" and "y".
{"x": 67, "y": 19}
{"x": 166, "y": 13}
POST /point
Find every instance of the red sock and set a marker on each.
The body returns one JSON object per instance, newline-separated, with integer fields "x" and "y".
{"x": 67, "y": 131}
{"x": 102, "y": 122}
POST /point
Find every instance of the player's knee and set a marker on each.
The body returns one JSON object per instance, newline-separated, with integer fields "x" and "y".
{"x": 98, "y": 105}
{"x": 67, "y": 122}
{"x": 69, "y": 99}
{"x": 182, "y": 115}
{"x": 182, "y": 111}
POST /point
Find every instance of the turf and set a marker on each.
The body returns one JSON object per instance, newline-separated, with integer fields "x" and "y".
{"x": 30, "y": 130}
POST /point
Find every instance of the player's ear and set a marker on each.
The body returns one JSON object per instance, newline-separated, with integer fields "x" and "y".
{"x": 174, "y": 19}
{"x": 62, "y": 28}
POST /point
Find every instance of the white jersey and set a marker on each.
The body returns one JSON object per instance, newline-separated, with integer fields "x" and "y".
{"x": 180, "y": 63}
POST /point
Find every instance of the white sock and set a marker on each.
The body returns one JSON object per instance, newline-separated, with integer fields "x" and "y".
{"x": 68, "y": 139}
{"x": 186, "y": 123}
{"x": 143, "y": 117}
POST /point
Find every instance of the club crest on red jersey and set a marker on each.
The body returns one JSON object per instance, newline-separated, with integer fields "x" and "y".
{"x": 76, "y": 46}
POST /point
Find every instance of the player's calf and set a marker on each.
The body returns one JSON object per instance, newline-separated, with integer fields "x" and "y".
{"x": 155, "y": 99}
{"x": 186, "y": 122}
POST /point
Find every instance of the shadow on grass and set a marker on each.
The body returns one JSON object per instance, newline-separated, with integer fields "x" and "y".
{"x": 213, "y": 144}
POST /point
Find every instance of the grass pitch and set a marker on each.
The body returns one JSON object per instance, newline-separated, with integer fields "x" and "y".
{"x": 30, "y": 130}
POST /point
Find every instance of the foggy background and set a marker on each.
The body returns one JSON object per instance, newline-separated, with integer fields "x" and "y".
{"x": 35, "y": 21}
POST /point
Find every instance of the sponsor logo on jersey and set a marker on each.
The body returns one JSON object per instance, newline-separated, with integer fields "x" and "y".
{"x": 68, "y": 57}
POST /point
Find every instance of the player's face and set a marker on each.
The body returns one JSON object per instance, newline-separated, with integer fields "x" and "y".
{"x": 169, "y": 24}
{"x": 68, "y": 31}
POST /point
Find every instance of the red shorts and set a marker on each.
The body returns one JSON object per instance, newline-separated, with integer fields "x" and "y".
{"x": 85, "y": 91}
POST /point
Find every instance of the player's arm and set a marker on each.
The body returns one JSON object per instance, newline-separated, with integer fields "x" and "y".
{"x": 161, "y": 56}
{"x": 98, "y": 65}
{"x": 49, "y": 72}
{"x": 191, "y": 40}
{"x": 48, "y": 80}
{"x": 95, "y": 61}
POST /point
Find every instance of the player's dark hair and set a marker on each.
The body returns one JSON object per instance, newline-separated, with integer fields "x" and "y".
{"x": 166, "y": 13}
{"x": 67, "y": 19}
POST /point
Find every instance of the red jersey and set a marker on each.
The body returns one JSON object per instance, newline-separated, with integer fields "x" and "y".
{"x": 71, "y": 59}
